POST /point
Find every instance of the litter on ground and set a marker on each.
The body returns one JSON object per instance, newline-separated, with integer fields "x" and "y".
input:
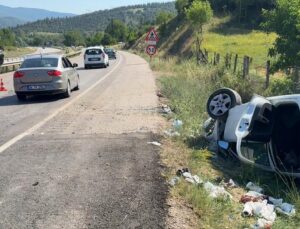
{"x": 253, "y": 187}
{"x": 171, "y": 133}
{"x": 165, "y": 109}
{"x": 177, "y": 124}
{"x": 216, "y": 191}
{"x": 154, "y": 143}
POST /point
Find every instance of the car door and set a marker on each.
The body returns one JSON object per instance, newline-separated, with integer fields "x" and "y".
{"x": 73, "y": 73}
{"x": 66, "y": 70}
{"x": 254, "y": 133}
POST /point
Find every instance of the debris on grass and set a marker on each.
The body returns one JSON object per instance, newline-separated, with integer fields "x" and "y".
{"x": 263, "y": 210}
{"x": 230, "y": 184}
{"x": 165, "y": 109}
{"x": 253, "y": 187}
{"x": 177, "y": 124}
{"x": 174, "y": 181}
{"x": 171, "y": 133}
{"x": 154, "y": 143}
{"x": 216, "y": 191}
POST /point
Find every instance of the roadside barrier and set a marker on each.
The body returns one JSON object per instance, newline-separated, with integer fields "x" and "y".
{"x": 14, "y": 65}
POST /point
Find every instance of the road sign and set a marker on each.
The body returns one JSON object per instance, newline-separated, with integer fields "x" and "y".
{"x": 151, "y": 50}
{"x": 151, "y": 42}
{"x": 152, "y": 35}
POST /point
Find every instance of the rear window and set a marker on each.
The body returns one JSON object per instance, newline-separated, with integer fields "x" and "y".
{"x": 93, "y": 52}
{"x": 40, "y": 63}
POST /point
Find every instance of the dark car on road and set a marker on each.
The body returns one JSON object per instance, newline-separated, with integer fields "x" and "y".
{"x": 111, "y": 53}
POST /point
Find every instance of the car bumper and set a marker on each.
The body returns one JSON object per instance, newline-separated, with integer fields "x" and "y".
{"x": 49, "y": 92}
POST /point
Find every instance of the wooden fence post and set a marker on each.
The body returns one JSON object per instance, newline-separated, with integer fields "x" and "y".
{"x": 268, "y": 74}
{"x": 246, "y": 66}
{"x": 227, "y": 60}
{"x": 218, "y": 58}
{"x": 235, "y": 63}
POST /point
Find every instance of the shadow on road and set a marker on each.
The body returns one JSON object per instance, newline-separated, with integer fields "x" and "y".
{"x": 13, "y": 100}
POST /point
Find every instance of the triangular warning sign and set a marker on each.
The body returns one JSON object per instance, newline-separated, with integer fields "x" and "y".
{"x": 152, "y": 35}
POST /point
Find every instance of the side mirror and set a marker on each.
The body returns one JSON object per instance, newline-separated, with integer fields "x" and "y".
{"x": 223, "y": 145}
{"x": 75, "y": 65}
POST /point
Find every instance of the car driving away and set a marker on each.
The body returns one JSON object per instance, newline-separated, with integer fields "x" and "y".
{"x": 112, "y": 54}
{"x": 45, "y": 75}
{"x": 264, "y": 132}
{"x": 95, "y": 57}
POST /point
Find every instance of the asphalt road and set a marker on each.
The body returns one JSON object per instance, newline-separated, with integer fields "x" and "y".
{"x": 84, "y": 162}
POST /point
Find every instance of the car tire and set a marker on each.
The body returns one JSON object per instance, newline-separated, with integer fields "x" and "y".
{"x": 67, "y": 94}
{"x": 21, "y": 97}
{"x": 221, "y": 101}
{"x": 77, "y": 86}
{"x": 86, "y": 67}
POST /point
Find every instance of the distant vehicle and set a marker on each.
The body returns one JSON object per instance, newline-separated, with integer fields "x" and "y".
{"x": 45, "y": 75}
{"x": 95, "y": 57}
{"x": 1, "y": 56}
{"x": 112, "y": 54}
{"x": 264, "y": 132}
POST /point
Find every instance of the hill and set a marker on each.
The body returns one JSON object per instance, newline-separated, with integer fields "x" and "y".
{"x": 10, "y": 22}
{"x": 11, "y": 16}
{"x": 98, "y": 21}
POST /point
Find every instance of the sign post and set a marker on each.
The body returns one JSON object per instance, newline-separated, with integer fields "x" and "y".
{"x": 151, "y": 41}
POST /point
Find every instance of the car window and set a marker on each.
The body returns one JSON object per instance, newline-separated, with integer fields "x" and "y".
{"x": 93, "y": 51}
{"x": 66, "y": 63}
{"x": 256, "y": 152}
{"x": 40, "y": 63}
{"x": 69, "y": 63}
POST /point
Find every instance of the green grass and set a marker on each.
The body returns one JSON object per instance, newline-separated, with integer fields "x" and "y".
{"x": 251, "y": 43}
{"x": 11, "y": 52}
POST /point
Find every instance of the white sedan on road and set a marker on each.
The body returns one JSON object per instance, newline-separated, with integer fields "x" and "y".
{"x": 95, "y": 57}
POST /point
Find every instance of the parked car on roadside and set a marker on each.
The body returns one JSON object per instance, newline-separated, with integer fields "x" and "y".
{"x": 45, "y": 75}
{"x": 264, "y": 132}
{"x": 112, "y": 54}
{"x": 95, "y": 57}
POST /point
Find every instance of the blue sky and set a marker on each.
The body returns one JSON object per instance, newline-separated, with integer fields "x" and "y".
{"x": 74, "y": 6}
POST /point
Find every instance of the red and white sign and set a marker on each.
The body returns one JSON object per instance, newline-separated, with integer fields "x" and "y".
{"x": 152, "y": 36}
{"x": 151, "y": 50}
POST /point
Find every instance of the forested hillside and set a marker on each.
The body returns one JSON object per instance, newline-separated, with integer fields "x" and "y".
{"x": 13, "y": 16}
{"x": 98, "y": 21}
{"x": 10, "y": 21}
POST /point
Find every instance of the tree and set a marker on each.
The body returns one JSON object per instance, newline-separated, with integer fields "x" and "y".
{"x": 108, "y": 39}
{"x": 73, "y": 38}
{"x": 198, "y": 14}
{"x": 117, "y": 30}
{"x": 7, "y": 37}
{"x": 285, "y": 21}
{"x": 163, "y": 17}
{"x": 181, "y": 6}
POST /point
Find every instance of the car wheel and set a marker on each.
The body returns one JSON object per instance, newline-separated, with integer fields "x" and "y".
{"x": 107, "y": 64}
{"x": 77, "y": 87}
{"x": 86, "y": 67}
{"x": 21, "y": 97}
{"x": 67, "y": 94}
{"x": 221, "y": 101}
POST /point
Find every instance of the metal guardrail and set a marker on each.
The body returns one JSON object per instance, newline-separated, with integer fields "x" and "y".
{"x": 15, "y": 63}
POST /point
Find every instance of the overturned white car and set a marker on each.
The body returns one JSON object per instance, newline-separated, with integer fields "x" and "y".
{"x": 264, "y": 132}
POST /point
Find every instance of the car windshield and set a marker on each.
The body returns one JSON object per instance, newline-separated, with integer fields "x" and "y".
{"x": 40, "y": 63}
{"x": 93, "y": 52}
{"x": 256, "y": 152}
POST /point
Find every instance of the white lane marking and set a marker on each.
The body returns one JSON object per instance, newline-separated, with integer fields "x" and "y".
{"x": 41, "y": 123}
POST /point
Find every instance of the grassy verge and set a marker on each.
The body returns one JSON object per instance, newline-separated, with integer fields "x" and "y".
{"x": 186, "y": 87}
{"x": 11, "y": 52}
